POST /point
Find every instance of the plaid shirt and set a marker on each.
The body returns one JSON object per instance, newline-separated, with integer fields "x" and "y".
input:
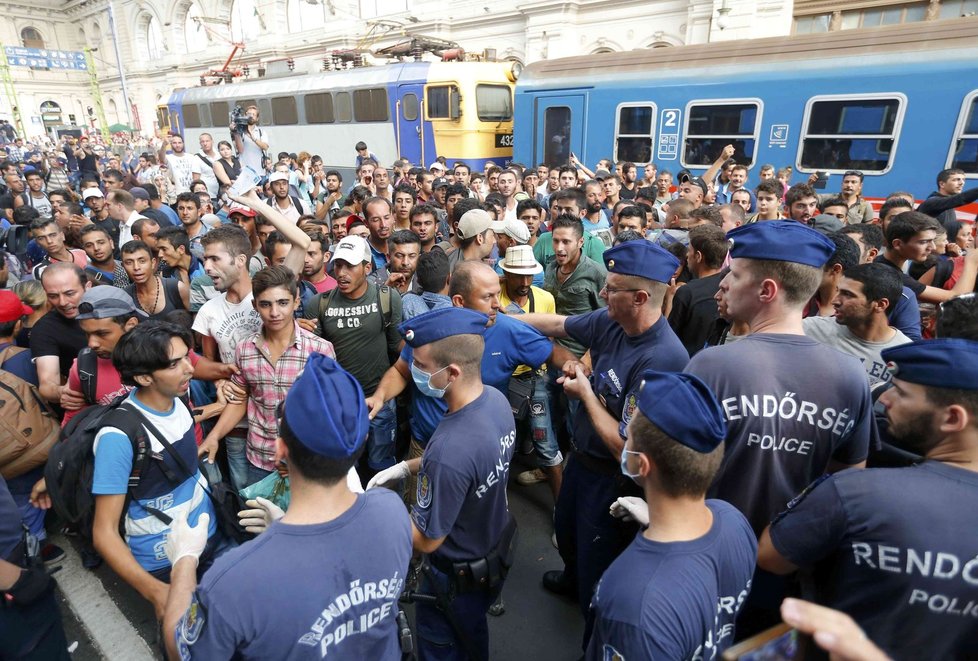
{"x": 267, "y": 383}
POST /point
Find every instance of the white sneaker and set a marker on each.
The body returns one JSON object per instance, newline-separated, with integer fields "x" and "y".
{"x": 526, "y": 478}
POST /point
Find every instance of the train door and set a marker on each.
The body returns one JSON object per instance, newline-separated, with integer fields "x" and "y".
{"x": 414, "y": 141}
{"x": 558, "y": 125}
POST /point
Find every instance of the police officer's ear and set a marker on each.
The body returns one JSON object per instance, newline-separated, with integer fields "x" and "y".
{"x": 768, "y": 290}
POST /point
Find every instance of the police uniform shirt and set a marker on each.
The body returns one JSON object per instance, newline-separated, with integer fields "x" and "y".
{"x": 11, "y": 529}
{"x": 319, "y": 591}
{"x": 900, "y": 554}
{"x": 618, "y": 361}
{"x": 462, "y": 480}
{"x": 675, "y": 600}
{"x": 508, "y": 344}
{"x": 791, "y": 405}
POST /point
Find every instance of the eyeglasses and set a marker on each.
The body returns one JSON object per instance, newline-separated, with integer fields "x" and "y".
{"x": 613, "y": 290}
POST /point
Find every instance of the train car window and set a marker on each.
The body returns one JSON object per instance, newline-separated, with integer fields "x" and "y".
{"x": 712, "y": 126}
{"x": 220, "y": 113}
{"x": 244, "y": 103}
{"x": 319, "y": 108}
{"x": 343, "y": 107}
{"x": 409, "y": 107}
{"x": 556, "y": 131}
{"x": 850, "y": 134}
{"x": 442, "y": 102}
{"x": 494, "y": 103}
{"x": 205, "y": 114}
{"x": 634, "y": 133}
{"x": 191, "y": 116}
{"x": 370, "y": 105}
{"x": 284, "y": 111}
{"x": 964, "y": 147}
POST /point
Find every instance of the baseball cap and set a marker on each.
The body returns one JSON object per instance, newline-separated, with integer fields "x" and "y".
{"x": 139, "y": 193}
{"x": 352, "y": 218}
{"x": 234, "y": 207}
{"x": 278, "y": 176}
{"x": 514, "y": 229}
{"x": 352, "y": 249}
{"x": 91, "y": 192}
{"x": 437, "y": 166}
{"x": 11, "y": 307}
{"x": 699, "y": 183}
{"x": 439, "y": 182}
{"x": 473, "y": 222}
{"x": 826, "y": 223}
{"x": 106, "y": 302}
{"x": 520, "y": 260}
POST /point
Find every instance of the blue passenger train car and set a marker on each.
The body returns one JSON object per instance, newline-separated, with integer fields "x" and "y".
{"x": 415, "y": 110}
{"x": 896, "y": 103}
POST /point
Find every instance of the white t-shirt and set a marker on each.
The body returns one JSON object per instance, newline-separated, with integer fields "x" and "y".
{"x": 251, "y": 153}
{"x": 181, "y": 171}
{"x": 229, "y": 324}
{"x": 827, "y": 331}
{"x": 206, "y": 171}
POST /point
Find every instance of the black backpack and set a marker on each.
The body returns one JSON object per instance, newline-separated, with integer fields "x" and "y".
{"x": 71, "y": 463}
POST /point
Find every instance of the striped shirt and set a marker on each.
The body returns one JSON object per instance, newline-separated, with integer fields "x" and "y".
{"x": 267, "y": 384}
{"x": 145, "y": 533}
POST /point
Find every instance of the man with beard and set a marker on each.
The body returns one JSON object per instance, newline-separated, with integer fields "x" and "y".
{"x": 329, "y": 200}
{"x": 595, "y": 219}
{"x": 404, "y": 250}
{"x": 188, "y": 209}
{"x": 425, "y": 225}
{"x": 628, "y": 173}
{"x": 506, "y": 185}
{"x": 378, "y": 215}
{"x": 889, "y": 542}
{"x": 314, "y": 266}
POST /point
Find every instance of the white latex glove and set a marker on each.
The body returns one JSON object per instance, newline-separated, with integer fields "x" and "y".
{"x": 393, "y": 474}
{"x": 183, "y": 540}
{"x": 353, "y": 481}
{"x": 262, "y": 514}
{"x": 631, "y": 508}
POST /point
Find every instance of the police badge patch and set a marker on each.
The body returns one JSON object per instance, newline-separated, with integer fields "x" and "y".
{"x": 190, "y": 626}
{"x": 424, "y": 491}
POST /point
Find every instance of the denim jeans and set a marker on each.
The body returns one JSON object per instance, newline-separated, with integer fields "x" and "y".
{"x": 237, "y": 461}
{"x": 255, "y": 474}
{"x": 380, "y": 441}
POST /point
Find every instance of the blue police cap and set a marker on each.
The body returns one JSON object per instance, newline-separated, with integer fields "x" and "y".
{"x": 941, "y": 363}
{"x": 684, "y": 408}
{"x": 325, "y": 409}
{"x": 441, "y": 323}
{"x": 782, "y": 241}
{"x": 643, "y": 259}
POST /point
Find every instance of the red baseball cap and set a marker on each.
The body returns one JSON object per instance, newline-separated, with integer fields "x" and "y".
{"x": 234, "y": 207}
{"x": 11, "y": 307}
{"x": 353, "y": 218}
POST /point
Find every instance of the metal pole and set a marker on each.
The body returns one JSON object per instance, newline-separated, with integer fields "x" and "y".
{"x": 118, "y": 60}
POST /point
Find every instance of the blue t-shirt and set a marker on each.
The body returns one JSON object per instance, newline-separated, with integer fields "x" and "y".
{"x": 618, "y": 361}
{"x": 171, "y": 214}
{"x": 791, "y": 405}
{"x": 508, "y": 344}
{"x": 905, "y": 314}
{"x": 145, "y": 533}
{"x": 319, "y": 591}
{"x": 463, "y": 475}
{"x": 895, "y": 548}
{"x": 675, "y": 600}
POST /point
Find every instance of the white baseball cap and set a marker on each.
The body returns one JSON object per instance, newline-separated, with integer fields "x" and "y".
{"x": 520, "y": 260}
{"x": 278, "y": 176}
{"x": 352, "y": 250}
{"x": 514, "y": 229}
{"x": 91, "y": 192}
{"x": 474, "y": 222}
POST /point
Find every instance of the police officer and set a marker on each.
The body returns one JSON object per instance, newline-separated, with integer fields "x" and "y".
{"x": 795, "y": 408}
{"x": 460, "y": 518}
{"x": 322, "y": 581}
{"x": 702, "y": 549}
{"x": 897, "y": 546}
{"x": 625, "y": 339}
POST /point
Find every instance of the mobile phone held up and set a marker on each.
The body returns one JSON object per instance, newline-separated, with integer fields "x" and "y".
{"x": 822, "y": 181}
{"x": 779, "y": 643}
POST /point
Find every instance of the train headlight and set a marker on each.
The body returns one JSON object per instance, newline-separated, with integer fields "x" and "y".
{"x": 514, "y": 71}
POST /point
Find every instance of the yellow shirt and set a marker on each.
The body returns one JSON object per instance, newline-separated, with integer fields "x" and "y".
{"x": 543, "y": 302}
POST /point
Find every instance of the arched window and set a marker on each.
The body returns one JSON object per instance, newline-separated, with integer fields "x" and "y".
{"x": 598, "y": 51}
{"x": 308, "y": 15}
{"x": 154, "y": 39}
{"x": 245, "y": 23}
{"x": 31, "y": 38}
{"x": 113, "y": 113}
{"x": 194, "y": 34}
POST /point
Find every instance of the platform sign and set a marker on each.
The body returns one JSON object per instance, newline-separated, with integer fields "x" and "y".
{"x": 44, "y": 58}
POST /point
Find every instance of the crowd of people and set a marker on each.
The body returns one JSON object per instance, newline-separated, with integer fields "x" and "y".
{"x": 737, "y": 395}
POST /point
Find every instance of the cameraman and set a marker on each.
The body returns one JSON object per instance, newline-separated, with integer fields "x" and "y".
{"x": 251, "y": 143}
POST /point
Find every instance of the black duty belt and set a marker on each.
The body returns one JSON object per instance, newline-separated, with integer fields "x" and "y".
{"x": 483, "y": 573}
{"x": 604, "y": 467}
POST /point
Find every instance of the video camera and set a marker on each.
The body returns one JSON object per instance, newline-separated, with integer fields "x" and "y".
{"x": 240, "y": 121}
{"x": 14, "y": 239}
